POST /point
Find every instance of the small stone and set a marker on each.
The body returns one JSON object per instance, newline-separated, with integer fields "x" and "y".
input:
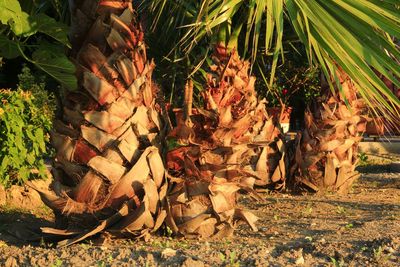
{"x": 150, "y": 259}
{"x": 11, "y": 262}
{"x": 300, "y": 260}
{"x": 390, "y": 250}
{"x": 23, "y": 197}
{"x": 189, "y": 262}
{"x": 168, "y": 252}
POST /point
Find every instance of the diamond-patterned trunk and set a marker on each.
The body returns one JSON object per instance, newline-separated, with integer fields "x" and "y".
{"x": 229, "y": 144}
{"x": 108, "y": 168}
{"x": 325, "y": 156}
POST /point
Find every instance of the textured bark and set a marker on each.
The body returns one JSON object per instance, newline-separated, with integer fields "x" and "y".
{"x": 109, "y": 173}
{"x": 229, "y": 144}
{"x": 325, "y": 154}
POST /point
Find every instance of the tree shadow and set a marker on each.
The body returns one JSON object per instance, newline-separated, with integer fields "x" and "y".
{"x": 21, "y": 228}
{"x": 384, "y": 168}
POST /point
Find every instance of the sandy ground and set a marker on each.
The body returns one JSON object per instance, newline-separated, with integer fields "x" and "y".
{"x": 359, "y": 229}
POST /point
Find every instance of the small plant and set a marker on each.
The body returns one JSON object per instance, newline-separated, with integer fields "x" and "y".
{"x": 380, "y": 256}
{"x": 110, "y": 258}
{"x": 340, "y": 210}
{"x": 363, "y": 159}
{"x": 42, "y": 243}
{"x": 57, "y": 263}
{"x": 337, "y": 263}
{"x": 25, "y": 121}
{"x": 86, "y": 245}
{"x": 308, "y": 238}
{"x": 308, "y": 210}
{"x": 233, "y": 261}
{"x": 377, "y": 252}
{"x": 231, "y": 258}
{"x": 349, "y": 226}
{"x": 161, "y": 244}
{"x": 169, "y": 231}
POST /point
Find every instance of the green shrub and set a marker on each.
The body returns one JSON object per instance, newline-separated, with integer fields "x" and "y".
{"x": 25, "y": 121}
{"x": 28, "y": 33}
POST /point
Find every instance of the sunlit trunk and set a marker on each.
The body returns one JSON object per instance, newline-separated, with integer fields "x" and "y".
{"x": 231, "y": 143}
{"x": 109, "y": 140}
{"x": 326, "y": 153}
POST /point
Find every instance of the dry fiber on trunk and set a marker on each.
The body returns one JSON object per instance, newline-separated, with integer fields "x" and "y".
{"x": 228, "y": 145}
{"x": 109, "y": 173}
{"x": 325, "y": 154}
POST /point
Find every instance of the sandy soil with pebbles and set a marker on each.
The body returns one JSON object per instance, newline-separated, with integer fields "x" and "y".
{"x": 359, "y": 229}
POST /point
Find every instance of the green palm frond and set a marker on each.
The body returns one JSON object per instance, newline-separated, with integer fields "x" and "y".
{"x": 354, "y": 35}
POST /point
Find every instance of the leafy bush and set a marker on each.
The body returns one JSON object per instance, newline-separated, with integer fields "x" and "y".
{"x": 27, "y": 32}
{"x": 25, "y": 121}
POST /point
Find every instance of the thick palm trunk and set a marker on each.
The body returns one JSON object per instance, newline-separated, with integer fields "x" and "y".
{"x": 108, "y": 165}
{"x": 326, "y": 155}
{"x": 230, "y": 144}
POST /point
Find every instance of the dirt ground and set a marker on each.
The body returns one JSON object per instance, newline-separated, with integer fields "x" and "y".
{"x": 359, "y": 229}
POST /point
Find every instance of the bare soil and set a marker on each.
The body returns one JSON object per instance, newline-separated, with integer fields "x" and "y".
{"x": 359, "y": 229}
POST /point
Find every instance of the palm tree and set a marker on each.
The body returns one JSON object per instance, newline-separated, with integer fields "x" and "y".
{"x": 230, "y": 143}
{"x": 109, "y": 171}
{"x": 325, "y": 154}
{"x": 350, "y": 38}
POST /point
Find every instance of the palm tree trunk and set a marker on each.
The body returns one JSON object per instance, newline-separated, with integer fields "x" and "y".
{"x": 229, "y": 144}
{"x": 326, "y": 157}
{"x": 108, "y": 169}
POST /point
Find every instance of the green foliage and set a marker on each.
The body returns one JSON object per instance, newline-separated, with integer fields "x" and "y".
{"x": 363, "y": 158}
{"x": 336, "y": 263}
{"x": 25, "y": 121}
{"x": 356, "y": 36}
{"x": 292, "y": 82}
{"x": 36, "y": 37}
{"x": 174, "y": 66}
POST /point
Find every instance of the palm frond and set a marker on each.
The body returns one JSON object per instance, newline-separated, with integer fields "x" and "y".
{"x": 356, "y": 36}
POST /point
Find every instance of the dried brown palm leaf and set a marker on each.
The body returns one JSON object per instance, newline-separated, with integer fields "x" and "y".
{"x": 109, "y": 173}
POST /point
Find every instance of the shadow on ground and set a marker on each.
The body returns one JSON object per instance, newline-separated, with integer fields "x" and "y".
{"x": 21, "y": 227}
